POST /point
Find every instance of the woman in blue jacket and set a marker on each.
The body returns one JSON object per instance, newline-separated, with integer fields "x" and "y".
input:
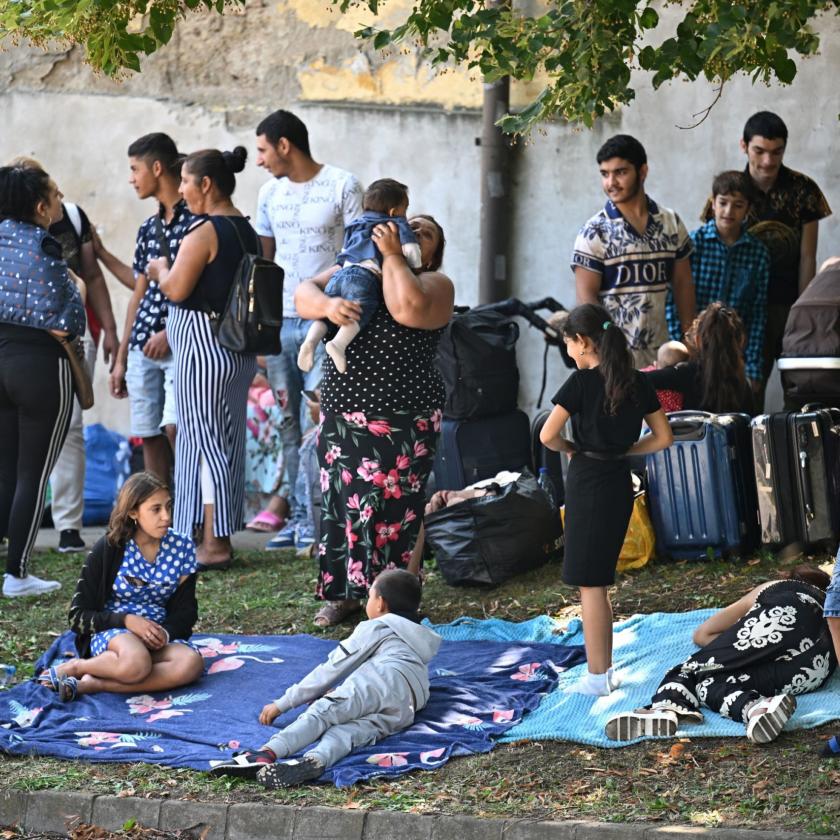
{"x": 39, "y": 300}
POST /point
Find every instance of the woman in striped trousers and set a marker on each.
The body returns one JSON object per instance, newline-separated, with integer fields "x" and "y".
{"x": 211, "y": 383}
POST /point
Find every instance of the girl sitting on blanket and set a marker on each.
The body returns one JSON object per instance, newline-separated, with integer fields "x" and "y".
{"x": 370, "y": 687}
{"x": 134, "y": 606}
{"x": 755, "y": 655}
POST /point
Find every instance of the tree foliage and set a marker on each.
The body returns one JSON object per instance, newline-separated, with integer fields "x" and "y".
{"x": 114, "y": 32}
{"x": 586, "y": 50}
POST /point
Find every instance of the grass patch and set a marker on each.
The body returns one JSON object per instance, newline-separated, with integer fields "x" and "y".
{"x": 708, "y": 782}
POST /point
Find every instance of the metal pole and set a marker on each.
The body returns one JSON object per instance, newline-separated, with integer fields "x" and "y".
{"x": 494, "y": 282}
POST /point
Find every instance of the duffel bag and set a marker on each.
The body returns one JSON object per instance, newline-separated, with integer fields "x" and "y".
{"x": 488, "y": 539}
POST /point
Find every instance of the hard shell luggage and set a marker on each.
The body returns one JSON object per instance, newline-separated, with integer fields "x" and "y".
{"x": 471, "y": 450}
{"x": 701, "y": 489}
{"x": 797, "y": 472}
{"x": 547, "y": 458}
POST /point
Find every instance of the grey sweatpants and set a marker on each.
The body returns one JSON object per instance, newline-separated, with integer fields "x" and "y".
{"x": 353, "y": 715}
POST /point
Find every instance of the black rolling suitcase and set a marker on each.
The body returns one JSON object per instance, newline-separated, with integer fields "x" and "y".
{"x": 797, "y": 473}
{"x": 471, "y": 450}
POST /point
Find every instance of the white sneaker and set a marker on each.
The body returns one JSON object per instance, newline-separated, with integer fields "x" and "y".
{"x": 14, "y": 587}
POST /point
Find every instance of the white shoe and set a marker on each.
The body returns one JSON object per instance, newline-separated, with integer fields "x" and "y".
{"x": 768, "y": 718}
{"x": 14, "y": 587}
{"x": 628, "y": 726}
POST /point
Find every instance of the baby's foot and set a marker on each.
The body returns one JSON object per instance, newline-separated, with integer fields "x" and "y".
{"x": 306, "y": 356}
{"x": 338, "y": 357}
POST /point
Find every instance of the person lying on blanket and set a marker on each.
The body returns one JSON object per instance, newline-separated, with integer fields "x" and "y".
{"x": 755, "y": 655}
{"x": 831, "y": 611}
{"x": 371, "y": 686}
{"x": 134, "y": 607}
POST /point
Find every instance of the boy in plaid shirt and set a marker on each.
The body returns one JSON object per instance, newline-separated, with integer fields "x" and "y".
{"x": 731, "y": 266}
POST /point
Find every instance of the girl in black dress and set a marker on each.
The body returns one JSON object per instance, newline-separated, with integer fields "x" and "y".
{"x": 607, "y": 400}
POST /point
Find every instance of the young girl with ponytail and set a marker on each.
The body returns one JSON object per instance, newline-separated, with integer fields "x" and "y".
{"x": 714, "y": 378}
{"x": 606, "y": 399}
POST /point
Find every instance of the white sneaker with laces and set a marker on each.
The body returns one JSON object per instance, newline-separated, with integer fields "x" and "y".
{"x": 14, "y": 587}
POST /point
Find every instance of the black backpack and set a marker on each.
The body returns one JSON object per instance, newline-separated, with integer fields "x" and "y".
{"x": 477, "y": 360}
{"x": 253, "y": 314}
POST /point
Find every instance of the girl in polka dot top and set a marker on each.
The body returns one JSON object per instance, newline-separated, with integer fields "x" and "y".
{"x": 134, "y": 606}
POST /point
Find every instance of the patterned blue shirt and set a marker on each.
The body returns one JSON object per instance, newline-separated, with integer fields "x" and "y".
{"x": 636, "y": 271}
{"x": 153, "y": 308}
{"x": 736, "y": 275}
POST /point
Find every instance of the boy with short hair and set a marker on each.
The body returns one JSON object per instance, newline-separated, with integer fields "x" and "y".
{"x": 732, "y": 266}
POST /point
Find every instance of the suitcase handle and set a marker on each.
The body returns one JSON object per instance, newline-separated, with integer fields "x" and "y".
{"x": 688, "y": 424}
{"x": 804, "y": 479}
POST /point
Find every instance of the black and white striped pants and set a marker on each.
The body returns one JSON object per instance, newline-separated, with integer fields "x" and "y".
{"x": 211, "y": 394}
{"x": 36, "y": 401}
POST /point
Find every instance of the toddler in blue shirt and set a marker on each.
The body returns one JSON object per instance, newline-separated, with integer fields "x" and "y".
{"x": 360, "y": 277}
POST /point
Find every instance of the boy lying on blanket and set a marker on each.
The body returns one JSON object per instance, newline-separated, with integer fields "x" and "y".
{"x": 384, "y": 668}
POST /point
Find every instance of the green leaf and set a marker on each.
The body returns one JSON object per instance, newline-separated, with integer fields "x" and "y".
{"x": 785, "y": 69}
{"x": 129, "y": 824}
{"x": 382, "y": 39}
{"x": 648, "y": 19}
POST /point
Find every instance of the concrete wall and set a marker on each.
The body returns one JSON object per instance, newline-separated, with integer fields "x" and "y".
{"x": 390, "y": 115}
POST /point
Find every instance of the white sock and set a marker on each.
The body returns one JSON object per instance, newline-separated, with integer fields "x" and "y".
{"x": 613, "y": 678}
{"x": 337, "y": 355}
{"x": 595, "y": 685}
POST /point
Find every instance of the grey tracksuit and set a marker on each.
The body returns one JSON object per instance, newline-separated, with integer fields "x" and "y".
{"x": 384, "y": 668}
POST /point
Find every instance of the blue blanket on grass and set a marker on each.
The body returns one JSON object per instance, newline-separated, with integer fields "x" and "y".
{"x": 645, "y": 647}
{"x": 480, "y": 689}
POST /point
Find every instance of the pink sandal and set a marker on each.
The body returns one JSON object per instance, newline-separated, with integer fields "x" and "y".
{"x": 266, "y": 522}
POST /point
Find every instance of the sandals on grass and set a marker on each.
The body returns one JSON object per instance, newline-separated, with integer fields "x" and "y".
{"x": 265, "y": 522}
{"x": 334, "y": 612}
{"x": 243, "y": 765}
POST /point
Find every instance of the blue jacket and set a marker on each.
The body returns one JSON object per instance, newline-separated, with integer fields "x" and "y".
{"x": 35, "y": 287}
{"x": 358, "y": 244}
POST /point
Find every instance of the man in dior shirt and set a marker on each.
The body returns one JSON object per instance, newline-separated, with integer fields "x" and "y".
{"x": 301, "y": 215}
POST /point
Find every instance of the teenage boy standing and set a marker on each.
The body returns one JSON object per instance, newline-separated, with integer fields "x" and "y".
{"x": 730, "y": 265}
{"x": 629, "y": 255}
{"x": 301, "y": 215}
{"x": 784, "y": 215}
{"x": 144, "y": 368}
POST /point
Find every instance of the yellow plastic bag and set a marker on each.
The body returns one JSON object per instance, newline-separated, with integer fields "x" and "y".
{"x": 639, "y": 541}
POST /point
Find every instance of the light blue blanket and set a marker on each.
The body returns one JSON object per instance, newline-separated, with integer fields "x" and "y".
{"x": 646, "y": 646}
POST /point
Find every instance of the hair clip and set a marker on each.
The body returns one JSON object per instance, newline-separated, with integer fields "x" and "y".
{"x": 606, "y": 324}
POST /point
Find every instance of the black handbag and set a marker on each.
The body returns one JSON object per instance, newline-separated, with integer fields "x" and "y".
{"x": 253, "y": 314}
{"x": 488, "y": 539}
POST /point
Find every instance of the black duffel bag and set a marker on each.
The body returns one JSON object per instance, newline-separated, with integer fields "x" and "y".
{"x": 477, "y": 360}
{"x": 486, "y": 540}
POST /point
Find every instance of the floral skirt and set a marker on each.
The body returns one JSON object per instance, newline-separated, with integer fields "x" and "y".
{"x": 373, "y": 479}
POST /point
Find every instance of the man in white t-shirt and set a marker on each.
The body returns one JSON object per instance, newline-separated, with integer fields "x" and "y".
{"x": 301, "y": 215}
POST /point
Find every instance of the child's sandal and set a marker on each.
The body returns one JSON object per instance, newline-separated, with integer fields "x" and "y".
{"x": 68, "y": 689}
{"x": 50, "y": 679}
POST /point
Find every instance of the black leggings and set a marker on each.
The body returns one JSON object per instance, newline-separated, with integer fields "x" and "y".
{"x": 36, "y": 400}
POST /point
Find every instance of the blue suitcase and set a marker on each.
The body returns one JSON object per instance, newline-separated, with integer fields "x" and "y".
{"x": 472, "y": 450}
{"x": 701, "y": 490}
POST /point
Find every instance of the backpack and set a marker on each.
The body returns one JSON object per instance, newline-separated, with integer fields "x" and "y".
{"x": 810, "y": 363}
{"x": 253, "y": 314}
{"x": 477, "y": 360}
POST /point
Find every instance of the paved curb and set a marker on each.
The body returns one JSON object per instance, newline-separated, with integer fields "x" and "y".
{"x": 50, "y": 810}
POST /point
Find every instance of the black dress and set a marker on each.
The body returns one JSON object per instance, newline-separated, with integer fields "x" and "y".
{"x": 599, "y": 490}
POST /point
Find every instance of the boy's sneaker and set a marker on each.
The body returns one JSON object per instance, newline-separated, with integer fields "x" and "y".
{"x": 244, "y": 765}
{"x": 284, "y": 538}
{"x": 70, "y": 541}
{"x": 304, "y": 536}
{"x": 287, "y": 773}
{"x": 15, "y": 587}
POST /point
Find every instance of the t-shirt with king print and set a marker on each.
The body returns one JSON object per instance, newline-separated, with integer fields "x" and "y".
{"x": 307, "y": 221}
{"x": 636, "y": 271}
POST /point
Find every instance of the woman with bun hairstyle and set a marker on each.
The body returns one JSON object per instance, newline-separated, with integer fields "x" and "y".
{"x": 211, "y": 383}
{"x": 606, "y": 400}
